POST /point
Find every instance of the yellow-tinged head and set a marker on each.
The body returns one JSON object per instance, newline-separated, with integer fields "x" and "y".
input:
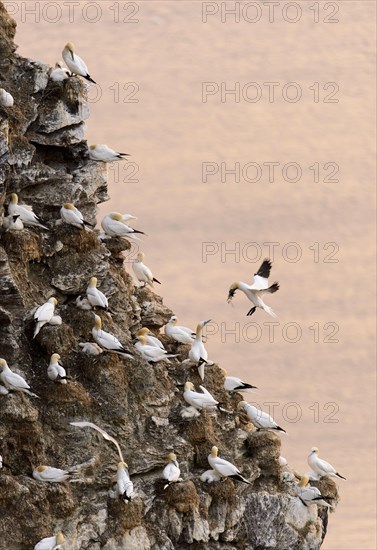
{"x": 189, "y": 386}
{"x": 241, "y": 405}
{"x": 93, "y": 282}
{"x": 41, "y": 468}
{"x": 140, "y": 256}
{"x": 142, "y": 339}
{"x": 69, "y": 206}
{"x": 232, "y": 290}
{"x": 122, "y": 465}
{"x": 3, "y": 364}
{"x": 143, "y": 331}
{"x": 214, "y": 451}
{"x": 60, "y": 538}
{"x": 55, "y": 357}
{"x": 97, "y": 322}
{"x": 314, "y": 450}
{"x": 304, "y": 481}
{"x": 172, "y": 457}
{"x": 52, "y": 301}
{"x": 70, "y": 47}
{"x": 116, "y": 216}
{"x": 14, "y": 198}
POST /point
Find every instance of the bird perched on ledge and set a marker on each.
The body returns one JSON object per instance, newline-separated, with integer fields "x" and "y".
{"x": 142, "y": 272}
{"x": 74, "y": 63}
{"x": 72, "y": 216}
{"x": 256, "y": 290}
{"x": 321, "y": 467}
{"x": 103, "y": 153}
{"x": 223, "y": 467}
{"x": 50, "y": 543}
{"x": 27, "y": 216}
{"x": 260, "y": 419}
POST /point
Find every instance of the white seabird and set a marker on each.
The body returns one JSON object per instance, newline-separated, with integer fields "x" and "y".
{"x": 198, "y": 400}
{"x": 257, "y": 289}
{"x": 171, "y": 472}
{"x": 95, "y": 297}
{"x": 83, "y": 303}
{"x": 152, "y": 354}
{"x": 260, "y": 419}
{"x": 233, "y": 384}
{"x": 72, "y": 216}
{"x": 13, "y": 223}
{"x": 107, "y": 341}
{"x": 151, "y": 340}
{"x": 74, "y": 63}
{"x": 59, "y": 73}
{"x": 44, "y": 314}
{"x": 124, "y": 486}
{"x": 198, "y": 353}
{"x": 142, "y": 272}
{"x": 183, "y": 335}
{"x": 321, "y": 467}
{"x": 223, "y": 467}
{"x": 12, "y": 380}
{"x": 90, "y": 348}
{"x": 209, "y": 476}
{"x": 310, "y": 495}
{"x": 50, "y": 543}
{"x": 103, "y": 153}
{"x": 114, "y": 226}
{"x": 27, "y": 216}
{"x": 52, "y": 475}
{"x": 6, "y": 99}
{"x": 56, "y": 371}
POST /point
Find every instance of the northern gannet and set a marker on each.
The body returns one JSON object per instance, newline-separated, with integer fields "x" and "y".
{"x": 12, "y": 380}
{"x": 6, "y": 99}
{"x": 107, "y": 341}
{"x": 124, "y": 486}
{"x": 232, "y": 383}
{"x": 151, "y": 340}
{"x": 50, "y": 543}
{"x": 74, "y": 63}
{"x": 152, "y": 354}
{"x": 27, "y": 216}
{"x": 198, "y": 353}
{"x": 103, "y": 153}
{"x": 44, "y": 314}
{"x": 72, "y": 216}
{"x": 13, "y": 223}
{"x": 59, "y": 73}
{"x": 142, "y": 272}
{"x": 52, "y": 475}
{"x": 256, "y": 290}
{"x": 95, "y": 297}
{"x": 198, "y": 400}
{"x": 321, "y": 467}
{"x": 310, "y": 495}
{"x": 183, "y": 335}
{"x": 171, "y": 471}
{"x": 114, "y": 225}
{"x": 55, "y": 370}
{"x": 260, "y": 419}
{"x": 223, "y": 467}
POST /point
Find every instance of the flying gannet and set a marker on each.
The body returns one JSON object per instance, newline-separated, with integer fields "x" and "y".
{"x": 44, "y": 314}
{"x": 74, "y": 63}
{"x": 107, "y": 341}
{"x": 105, "y": 435}
{"x": 256, "y": 290}
{"x": 142, "y": 272}
{"x": 321, "y": 467}
{"x": 12, "y": 380}
{"x": 260, "y": 419}
{"x": 72, "y": 216}
{"x": 234, "y": 384}
{"x": 103, "y": 153}
{"x": 183, "y": 335}
{"x": 223, "y": 467}
{"x": 198, "y": 353}
{"x": 27, "y": 216}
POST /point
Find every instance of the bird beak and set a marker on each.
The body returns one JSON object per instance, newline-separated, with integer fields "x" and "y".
{"x": 206, "y": 322}
{"x": 231, "y": 294}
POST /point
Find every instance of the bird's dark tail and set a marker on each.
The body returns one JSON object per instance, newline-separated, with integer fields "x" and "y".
{"x": 154, "y": 279}
{"x": 273, "y": 288}
{"x": 280, "y": 429}
{"x": 238, "y": 477}
{"x": 88, "y": 77}
{"x": 337, "y": 473}
{"x": 88, "y": 224}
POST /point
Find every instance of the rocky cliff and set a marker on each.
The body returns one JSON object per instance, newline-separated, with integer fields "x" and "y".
{"x": 44, "y": 160}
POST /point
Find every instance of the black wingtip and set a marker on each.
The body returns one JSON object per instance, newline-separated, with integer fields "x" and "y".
{"x": 337, "y": 473}
{"x": 88, "y": 77}
{"x": 237, "y": 477}
{"x": 156, "y": 281}
{"x": 265, "y": 268}
{"x": 280, "y": 429}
